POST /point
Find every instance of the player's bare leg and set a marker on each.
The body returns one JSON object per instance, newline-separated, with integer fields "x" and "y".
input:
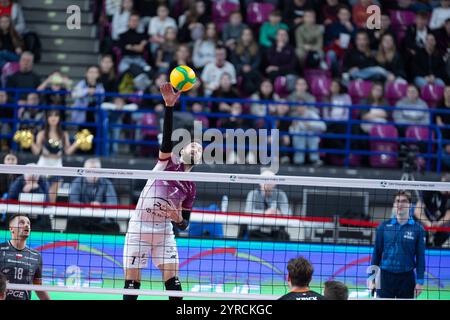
{"x": 169, "y": 272}
{"x": 132, "y": 281}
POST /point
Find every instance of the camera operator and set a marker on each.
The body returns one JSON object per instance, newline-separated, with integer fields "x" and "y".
{"x": 433, "y": 210}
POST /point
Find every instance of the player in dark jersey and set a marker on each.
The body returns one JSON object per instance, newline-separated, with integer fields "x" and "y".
{"x": 300, "y": 273}
{"x": 2, "y": 286}
{"x": 19, "y": 263}
{"x": 150, "y": 230}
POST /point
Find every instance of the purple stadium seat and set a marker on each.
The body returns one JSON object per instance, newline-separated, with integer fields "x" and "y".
{"x": 422, "y": 136}
{"x": 310, "y": 74}
{"x": 383, "y": 160}
{"x": 432, "y": 94}
{"x": 221, "y": 11}
{"x": 151, "y": 120}
{"x": 320, "y": 87}
{"x": 258, "y": 13}
{"x": 204, "y": 120}
{"x": 402, "y": 19}
{"x": 394, "y": 91}
{"x": 280, "y": 86}
{"x": 8, "y": 69}
{"x": 359, "y": 89}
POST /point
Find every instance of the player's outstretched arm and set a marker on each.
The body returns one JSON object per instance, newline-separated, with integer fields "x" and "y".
{"x": 170, "y": 98}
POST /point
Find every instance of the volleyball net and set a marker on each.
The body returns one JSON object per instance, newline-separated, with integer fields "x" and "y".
{"x": 243, "y": 231}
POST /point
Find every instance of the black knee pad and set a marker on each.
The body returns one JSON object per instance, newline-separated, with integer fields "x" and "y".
{"x": 131, "y": 284}
{"x": 173, "y": 284}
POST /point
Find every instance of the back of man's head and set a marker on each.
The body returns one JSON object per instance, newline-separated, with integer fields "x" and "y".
{"x": 300, "y": 272}
{"x": 2, "y": 286}
{"x": 335, "y": 290}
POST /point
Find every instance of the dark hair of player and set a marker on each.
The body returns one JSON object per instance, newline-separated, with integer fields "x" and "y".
{"x": 405, "y": 193}
{"x": 300, "y": 272}
{"x": 15, "y": 216}
{"x": 335, "y": 290}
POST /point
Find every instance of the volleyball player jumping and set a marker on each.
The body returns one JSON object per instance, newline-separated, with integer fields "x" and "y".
{"x": 150, "y": 231}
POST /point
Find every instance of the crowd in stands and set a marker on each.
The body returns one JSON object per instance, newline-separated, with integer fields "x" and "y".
{"x": 290, "y": 50}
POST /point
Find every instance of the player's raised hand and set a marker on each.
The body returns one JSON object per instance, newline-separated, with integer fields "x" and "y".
{"x": 169, "y": 96}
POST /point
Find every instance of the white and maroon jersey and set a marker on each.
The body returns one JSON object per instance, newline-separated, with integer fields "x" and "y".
{"x": 158, "y": 194}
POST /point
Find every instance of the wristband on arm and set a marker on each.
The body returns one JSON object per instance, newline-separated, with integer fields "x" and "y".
{"x": 185, "y": 223}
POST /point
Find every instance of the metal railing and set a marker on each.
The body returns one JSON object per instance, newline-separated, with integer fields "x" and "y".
{"x": 107, "y": 120}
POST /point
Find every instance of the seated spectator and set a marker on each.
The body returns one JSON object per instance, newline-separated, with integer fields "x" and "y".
{"x": 6, "y": 180}
{"x": 329, "y": 12}
{"x": 120, "y": 19}
{"x": 433, "y": 210}
{"x": 308, "y": 127}
{"x": 133, "y": 44}
{"x": 14, "y": 10}
{"x": 166, "y": 50}
{"x": 360, "y": 14}
{"x": 268, "y": 200}
{"x": 281, "y": 58}
{"x": 197, "y": 107}
{"x": 390, "y": 59}
{"x": 283, "y": 124}
{"x": 25, "y": 78}
{"x": 294, "y": 11}
{"x": 192, "y": 21}
{"x": 301, "y": 93}
{"x": 442, "y": 37}
{"x": 92, "y": 191}
{"x": 443, "y": 119}
{"x": 337, "y": 37}
{"x": 86, "y": 94}
{"x": 309, "y": 40}
{"x": 440, "y": 15}
{"x": 300, "y": 275}
{"x": 232, "y": 30}
{"x": 205, "y": 47}
{"x": 376, "y": 34}
{"x": 359, "y": 62}
{"x": 265, "y": 92}
{"x": 11, "y": 44}
{"x": 213, "y": 71}
{"x": 411, "y": 117}
{"x": 415, "y": 38}
{"x": 335, "y": 290}
{"x": 339, "y": 113}
{"x": 5, "y": 113}
{"x": 59, "y": 83}
{"x": 10, "y": 158}
{"x": 225, "y": 90}
{"x": 158, "y": 25}
{"x": 32, "y": 184}
{"x": 269, "y": 29}
{"x": 182, "y": 57}
{"x": 246, "y": 58}
{"x": 108, "y": 75}
{"x": 376, "y": 99}
{"x": 29, "y": 111}
{"x": 429, "y": 66}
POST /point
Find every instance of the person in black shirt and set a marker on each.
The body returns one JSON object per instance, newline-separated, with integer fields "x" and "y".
{"x": 25, "y": 78}
{"x": 133, "y": 44}
{"x": 433, "y": 210}
{"x": 18, "y": 262}
{"x": 10, "y": 42}
{"x": 300, "y": 274}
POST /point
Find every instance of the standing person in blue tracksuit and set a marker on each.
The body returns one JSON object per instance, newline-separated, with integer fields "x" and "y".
{"x": 399, "y": 249}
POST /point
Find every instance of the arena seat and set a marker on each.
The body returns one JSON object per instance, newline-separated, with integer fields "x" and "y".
{"x": 320, "y": 87}
{"x": 432, "y": 94}
{"x": 394, "y": 91}
{"x": 422, "y": 136}
{"x": 311, "y": 74}
{"x": 359, "y": 89}
{"x": 8, "y": 69}
{"x": 221, "y": 11}
{"x": 402, "y": 19}
{"x": 280, "y": 86}
{"x": 258, "y": 13}
{"x": 383, "y": 160}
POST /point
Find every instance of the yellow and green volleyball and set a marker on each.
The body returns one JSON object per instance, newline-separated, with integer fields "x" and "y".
{"x": 182, "y": 78}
